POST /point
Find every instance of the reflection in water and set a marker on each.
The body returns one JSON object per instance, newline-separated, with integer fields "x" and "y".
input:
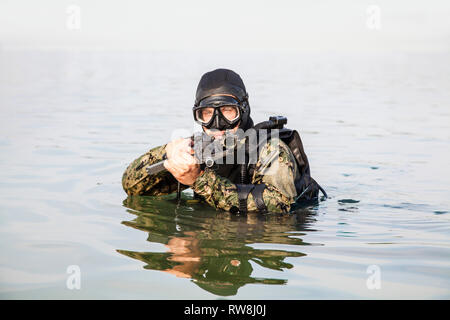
{"x": 214, "y": 248}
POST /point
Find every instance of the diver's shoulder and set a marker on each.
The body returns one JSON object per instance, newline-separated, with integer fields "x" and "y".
{"x": 275, "y": 145}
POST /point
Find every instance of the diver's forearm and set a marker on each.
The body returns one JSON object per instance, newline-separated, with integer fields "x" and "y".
{"x": 136, "y": 180}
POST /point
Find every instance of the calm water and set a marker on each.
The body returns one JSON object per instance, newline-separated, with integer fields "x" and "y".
{"x": 375, "y": 128}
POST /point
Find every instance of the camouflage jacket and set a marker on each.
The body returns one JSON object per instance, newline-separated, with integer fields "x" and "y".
{"x": 276, "y": 168}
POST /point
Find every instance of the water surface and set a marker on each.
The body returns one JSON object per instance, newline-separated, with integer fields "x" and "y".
{"x": 375, "y": 129}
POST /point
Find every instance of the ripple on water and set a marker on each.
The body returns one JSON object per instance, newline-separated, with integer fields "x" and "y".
{"x": 348, "y": 201}
{"x": 64, "y": 147}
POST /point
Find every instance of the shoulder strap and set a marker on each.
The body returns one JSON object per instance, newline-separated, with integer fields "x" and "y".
{"x": 257, "y": 194}
{"x": 256, "y": 190}
{"x": 243, "y": 191}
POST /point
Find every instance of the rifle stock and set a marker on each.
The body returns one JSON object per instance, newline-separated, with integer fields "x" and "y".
{"x": 156, "y": 168}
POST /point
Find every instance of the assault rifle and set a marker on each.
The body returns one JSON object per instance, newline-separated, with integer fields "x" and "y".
{"x": 209, "y": 151}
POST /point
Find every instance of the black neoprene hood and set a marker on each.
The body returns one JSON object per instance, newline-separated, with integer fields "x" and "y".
{"x": 220, "y": 81}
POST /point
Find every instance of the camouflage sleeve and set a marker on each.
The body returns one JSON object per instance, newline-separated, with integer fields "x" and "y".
{"x": 276, "y": 168}
{"x": 136, "y": 180}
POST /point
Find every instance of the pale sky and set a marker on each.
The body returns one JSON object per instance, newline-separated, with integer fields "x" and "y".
{"x": 321, "y": 26}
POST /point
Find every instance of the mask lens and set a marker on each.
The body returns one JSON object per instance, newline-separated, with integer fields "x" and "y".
{"x": 205, "y": 114}
{"x": 230, "y": 113}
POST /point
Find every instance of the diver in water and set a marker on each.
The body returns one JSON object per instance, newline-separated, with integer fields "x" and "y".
{"x": 278, "y": 182}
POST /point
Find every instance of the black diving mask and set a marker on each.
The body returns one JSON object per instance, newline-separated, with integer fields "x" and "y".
{"x": 219, "y": 112}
